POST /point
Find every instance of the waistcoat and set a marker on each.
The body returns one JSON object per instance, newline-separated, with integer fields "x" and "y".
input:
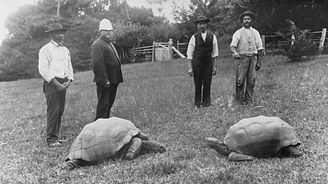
{"x": 203, "y": 49}
{"x": 247, "y": 43}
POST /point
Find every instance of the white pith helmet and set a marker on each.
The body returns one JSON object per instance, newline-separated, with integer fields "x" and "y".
{"x": 105, "y": 24}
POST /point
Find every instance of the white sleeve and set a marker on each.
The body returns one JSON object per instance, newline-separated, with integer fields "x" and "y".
{"x": 191, "y": 47}
{"x": 235, "y": 39}
{"x": 258, "y": 41}
{"x": 215, "y": 51}
{"x": 70, "y": 68}
{"x": 44, "y": 65}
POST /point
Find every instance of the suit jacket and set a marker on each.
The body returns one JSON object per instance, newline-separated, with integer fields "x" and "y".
{"x": 105, "y": 63}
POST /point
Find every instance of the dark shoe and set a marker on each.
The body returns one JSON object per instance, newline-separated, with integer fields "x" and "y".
{"x": 134, "y": 148}
{"x": 54, "y": 144}
{"x": 197, "y": 107}
{"x": 206, "y": 104}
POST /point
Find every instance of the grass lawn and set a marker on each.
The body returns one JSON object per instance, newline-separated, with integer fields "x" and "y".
{"x": 158, "y": 98}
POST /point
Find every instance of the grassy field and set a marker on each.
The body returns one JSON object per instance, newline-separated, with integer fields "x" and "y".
{"x": 158, "y": 98}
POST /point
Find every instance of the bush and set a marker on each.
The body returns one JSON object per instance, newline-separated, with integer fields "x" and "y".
{"x": 300, "y": 45}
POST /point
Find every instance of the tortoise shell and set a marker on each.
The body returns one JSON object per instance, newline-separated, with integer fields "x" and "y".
{"x": 102, "y": 139}
{"x": 260, "y": 136}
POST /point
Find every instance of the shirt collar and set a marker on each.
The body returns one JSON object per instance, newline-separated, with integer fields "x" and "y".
{"x": 56, "y": 44}
{"x": 250, "y": 28}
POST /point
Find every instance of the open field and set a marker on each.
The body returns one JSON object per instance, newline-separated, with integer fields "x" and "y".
{"x": 158, "y": 98}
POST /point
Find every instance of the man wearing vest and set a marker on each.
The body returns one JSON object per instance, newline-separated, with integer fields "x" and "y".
{"x": 202, "y": 53}
{"x": 106, "y": 69}
{"x": 56, "y": 69}
{"x": 247, "y": 49}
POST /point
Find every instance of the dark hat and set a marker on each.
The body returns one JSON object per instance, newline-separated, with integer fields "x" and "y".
{"x": 249, "y": 13}
{"x": 54, "y": 27}
{"x": 202, "y": 18}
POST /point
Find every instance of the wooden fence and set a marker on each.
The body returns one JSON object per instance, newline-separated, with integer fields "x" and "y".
{"x": 161, "y": 51}
{"x": 273, "y": 43}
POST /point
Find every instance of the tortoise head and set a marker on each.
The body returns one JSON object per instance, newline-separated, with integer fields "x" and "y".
{"x": 153, "y": 146}
{"x": 218, "y": 146}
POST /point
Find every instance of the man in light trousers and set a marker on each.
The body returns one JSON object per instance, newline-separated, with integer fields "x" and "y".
{"x": 247, "y": 49}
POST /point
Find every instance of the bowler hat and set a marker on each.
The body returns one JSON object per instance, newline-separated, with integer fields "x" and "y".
{"x": 249, "y": 13}
{"x": 202, "y": 18}
{"x": 54, "y": 27}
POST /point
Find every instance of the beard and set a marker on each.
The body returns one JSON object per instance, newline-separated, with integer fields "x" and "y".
{"x": 247, "y": 25}
{"x": 58, "y": 39}
{"x": 202, "y": 29}
{"x": 107, "y": 38}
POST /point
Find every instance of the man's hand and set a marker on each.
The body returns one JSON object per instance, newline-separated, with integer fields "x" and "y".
{"x": 258, "y": 65}
{"x": 190, "y": 72}
{"x": 59, "y": 87}
{"x": 107, "y": 84}
{"x": 235, "y": 55}
{"x": 67, "y": 84}
{"x": 214, "y": 71}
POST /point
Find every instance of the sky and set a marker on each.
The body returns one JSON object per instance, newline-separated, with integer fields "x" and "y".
{"x": 164, "y": 9}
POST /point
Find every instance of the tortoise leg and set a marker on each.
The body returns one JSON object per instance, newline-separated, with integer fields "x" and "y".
{"x": 218, "y": 146}
{"x": 134, "y": 148}
{"x": 143, "y": 136}
{"x": 233, "y": 156}
{"x": 150, "y": 146}
{"x": 292, "y": 151}
{"x": 72, "y": 164}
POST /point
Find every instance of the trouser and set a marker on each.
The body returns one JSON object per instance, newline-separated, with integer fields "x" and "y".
{"x": 55, "y": 108}
{"x": 202, "y": 80}
{"x": 245, "y": 78}
{"x": 106, "y": 98}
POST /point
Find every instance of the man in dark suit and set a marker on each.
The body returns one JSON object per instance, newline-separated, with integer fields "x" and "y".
{"x": 202, "y": 53}
{"x": 106, "y": 68}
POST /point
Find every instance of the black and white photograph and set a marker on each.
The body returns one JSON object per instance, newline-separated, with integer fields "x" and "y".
{"x": 164, "y": 91}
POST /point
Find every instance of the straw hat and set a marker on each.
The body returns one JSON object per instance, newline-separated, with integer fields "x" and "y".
{"x": 249, "y": 13}
{"x": 202, "y": 18}
{"x": 54, "y": 27}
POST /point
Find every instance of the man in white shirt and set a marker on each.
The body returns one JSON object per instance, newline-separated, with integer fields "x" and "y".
{"x": 202, "y": 53}
{"x": 247, "y": 49}
{"x": 56, "y": 69}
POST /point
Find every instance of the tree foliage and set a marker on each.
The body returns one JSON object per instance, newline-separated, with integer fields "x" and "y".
{"x": 307, "y": 14}
{"x": 139, "y": 27}
{"x": 218, "y": 11}
{"x": 132, "y": 27}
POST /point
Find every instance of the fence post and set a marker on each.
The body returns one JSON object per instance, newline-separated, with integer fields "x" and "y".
{"x": 263, "y": 43}
{"x": 322, "y": 40}
{"x": 170, "y": 48}
{"x": 178, "y": 47}
{"x": 153, "y": 52}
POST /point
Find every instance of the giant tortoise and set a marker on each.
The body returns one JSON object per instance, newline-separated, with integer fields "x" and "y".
{"x": 108, "y": 138}
{"x": 259, "y": 136}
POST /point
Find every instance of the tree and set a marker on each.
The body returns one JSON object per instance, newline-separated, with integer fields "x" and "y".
{"x": 17, "y": 53}
{"x": 218, "y": 11}
{"x": 307, "y": 14}
{"x": 133, "y": 27}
